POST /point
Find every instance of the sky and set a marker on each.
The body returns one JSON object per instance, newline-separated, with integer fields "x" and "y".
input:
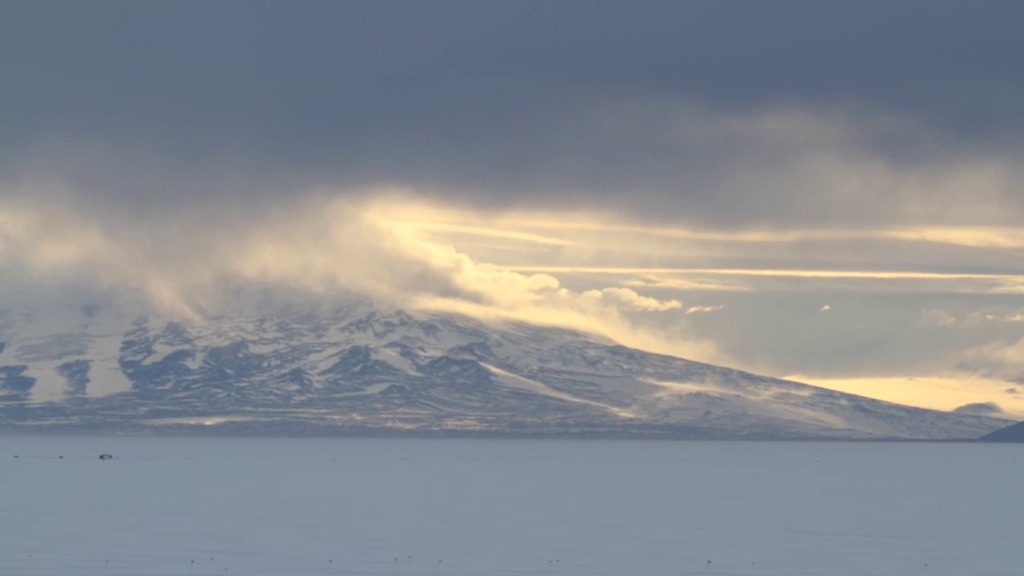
{"x": 825, "y": 191}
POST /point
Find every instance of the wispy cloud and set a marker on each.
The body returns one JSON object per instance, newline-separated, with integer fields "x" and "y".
{"x": 937, "y": 317}
{"x": 866, "y": 274}
{"x": 1000, "y": 359}
{"x": 525, "y": 237}
{"x": 706, "y": 309}
{"x": 686, "y": 284}
{"x": 996, "y": 236}
{"x": 629, "y": 299}
{"x": 1007, "y": 318}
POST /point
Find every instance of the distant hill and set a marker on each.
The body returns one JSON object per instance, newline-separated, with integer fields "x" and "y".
{"x": 1014, "y": 433}
{"x": 980, "y": 409}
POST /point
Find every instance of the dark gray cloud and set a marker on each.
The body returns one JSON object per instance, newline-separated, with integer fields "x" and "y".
{"x": 502, "y": 102}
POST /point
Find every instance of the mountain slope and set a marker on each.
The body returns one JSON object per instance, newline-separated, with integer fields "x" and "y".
{"x": 360, "y": 368}
{"x": 1012, "y": 433}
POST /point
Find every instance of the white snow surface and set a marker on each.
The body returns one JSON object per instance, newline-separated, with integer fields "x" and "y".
{"x": 516, "y": 381}
{"x": 172, "y": 506}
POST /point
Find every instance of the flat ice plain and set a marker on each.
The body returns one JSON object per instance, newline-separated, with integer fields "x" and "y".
{"x": 198, "y": 506}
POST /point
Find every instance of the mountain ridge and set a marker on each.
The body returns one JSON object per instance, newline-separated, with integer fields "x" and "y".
{"x": 366, "y": 369}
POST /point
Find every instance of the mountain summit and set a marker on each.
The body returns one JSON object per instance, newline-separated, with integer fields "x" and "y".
{"x": 364, "y": 369}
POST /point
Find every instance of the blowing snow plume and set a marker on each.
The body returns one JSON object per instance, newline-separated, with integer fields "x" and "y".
{"x": 318, "y": 249}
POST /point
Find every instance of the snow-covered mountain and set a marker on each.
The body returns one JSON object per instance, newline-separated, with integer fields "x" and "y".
{"x": 364, "y": 369}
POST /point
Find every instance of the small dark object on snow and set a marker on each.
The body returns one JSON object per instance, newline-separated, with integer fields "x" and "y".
{"x": 106, "y": 456}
